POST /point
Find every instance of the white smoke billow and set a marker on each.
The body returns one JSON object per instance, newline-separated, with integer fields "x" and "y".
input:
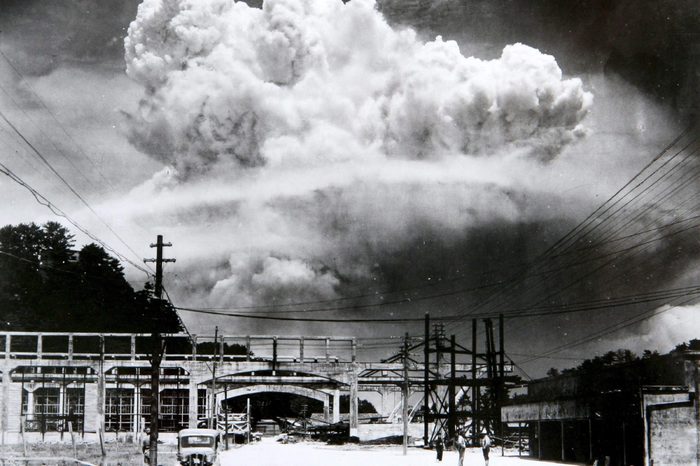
{"x": 315, "y": 139}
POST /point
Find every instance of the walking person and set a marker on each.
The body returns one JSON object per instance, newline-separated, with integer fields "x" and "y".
{"x": 485, "y": 447}
{"x": 461, "y": 444}
{"x": 439, "y": 446}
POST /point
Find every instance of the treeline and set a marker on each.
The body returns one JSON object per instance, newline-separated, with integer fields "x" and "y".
{"x": 624, "y": 371}
{"x": 47, "y": 285}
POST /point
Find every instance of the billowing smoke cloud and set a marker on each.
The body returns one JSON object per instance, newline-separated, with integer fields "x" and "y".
{"x": 325, "y": 145}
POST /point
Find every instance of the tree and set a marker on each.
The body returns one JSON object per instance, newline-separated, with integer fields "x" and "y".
{"x": 42, "y": 288}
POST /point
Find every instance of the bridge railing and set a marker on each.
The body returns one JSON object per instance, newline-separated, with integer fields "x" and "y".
{"x": 137, "y": 346}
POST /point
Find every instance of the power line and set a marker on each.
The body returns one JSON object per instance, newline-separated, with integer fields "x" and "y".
{"x": 55, "y": 119}
{"x": 42, "y": 200}
{"x": 68, "y": 185}
{"x": 581, "y": 229}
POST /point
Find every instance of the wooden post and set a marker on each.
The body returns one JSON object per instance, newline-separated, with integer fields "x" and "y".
{"x": 226, "y": 413}
{"x": 21, "y": 432}
{"x": 452, "y": 419}
{"x": 520, "y": 439}
{"x": 353, "y": 344}
{"x": 624, "y": 443}
{"x": 70, "y": 347}
{"x": 72, "y": 438}
{"x": 563, "y": 453}
{"x": 328, "y": 349}
{"x": 404, "y": 398}
{"x": 590, "y": 439}
{"x": 426, "y": 381}
{"x": 301, "y": 349}
{"x": 475, "y": 388}
{"x": 247, "y": 412}
{"x": 102, "y": 442}
{"x": 501, "y": 378}
{"x": 212, "y": 422}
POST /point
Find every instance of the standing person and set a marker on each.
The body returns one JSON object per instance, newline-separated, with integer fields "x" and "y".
{"x": 146, "y": 446}
{"x": 439, "y": 446}
{"x": 461, "y": 444}
{"x": 485, "y": 447}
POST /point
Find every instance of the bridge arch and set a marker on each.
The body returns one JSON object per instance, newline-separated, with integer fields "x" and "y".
{"x": 319, "y": 395}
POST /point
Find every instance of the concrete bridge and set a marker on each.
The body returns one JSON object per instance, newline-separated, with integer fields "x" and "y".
{"x": 101, "y": 382}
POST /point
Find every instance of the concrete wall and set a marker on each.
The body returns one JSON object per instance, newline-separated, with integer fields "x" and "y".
{"x": 672, "y": 435}
{"x": 545, "y": 411}
{"x": 368, "y": 432}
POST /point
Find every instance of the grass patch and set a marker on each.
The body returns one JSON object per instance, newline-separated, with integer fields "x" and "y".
{"x": 117, "y": 453}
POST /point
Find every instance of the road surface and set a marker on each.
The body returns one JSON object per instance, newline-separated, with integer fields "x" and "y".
{"x": 270, "y": 453}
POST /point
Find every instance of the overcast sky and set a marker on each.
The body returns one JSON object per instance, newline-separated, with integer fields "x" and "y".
{"x": 343, "y": 155}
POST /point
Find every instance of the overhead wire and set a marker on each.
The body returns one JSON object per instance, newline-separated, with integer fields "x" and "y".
{"x": 42, "y": 200}
{"x": 56, "y": 120}
{"x": 568, "y": 239}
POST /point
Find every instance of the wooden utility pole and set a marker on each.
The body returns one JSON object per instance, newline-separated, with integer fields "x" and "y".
{"x": 213, "y": 419}
{"x": 426, "y": 380}
{"x": 157, "y": 348}
{"x": 404, "y": 415}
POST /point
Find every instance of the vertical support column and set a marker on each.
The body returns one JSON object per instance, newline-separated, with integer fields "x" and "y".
{"x": 404, "y": 395}
{"x": 133, "y": 347}
{"x": 194, "y": 348}
{"x": 590, "y": 438}
{"x": 8, "y": 346}
{"x": 475, "y": 388}
{"x": 563, "y": 455}
{"x": 39, "y": 345}
{"x": 70, "y": 347}
{"x": 62, "y": 397}
{"x": 501, "y": 377}
{"x": 328, "y": 349}
{"x": 5, "y": 414}
{"x": 136, "y": 421}
{"x": 520, "y": 439}
{"x": 101, "y": 387}
{"x": 452, "y": 419}
{"x": 326, "y": 408}
{"x": 354, "y": 423}
{"x": 426, "y": 381}
{"x": 624, "y": 442}
{"x": 247, "y": 348}
{"x": 193, "y": 398}
{"x": 336, "y": 406}
{"x": 353, "y": 344}
{"x": 301, "y": 349}
{"x": 30, "y": 400}
{"x": 222, "y": 345}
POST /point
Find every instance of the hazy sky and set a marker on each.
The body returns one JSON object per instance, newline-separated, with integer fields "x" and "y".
{"x": 328, "y": 153}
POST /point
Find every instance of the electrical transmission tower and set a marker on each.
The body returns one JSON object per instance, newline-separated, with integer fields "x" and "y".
{"x": 463, "y": 387}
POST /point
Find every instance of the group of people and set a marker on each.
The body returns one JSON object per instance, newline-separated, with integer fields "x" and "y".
{"x": 460, "y": 443}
